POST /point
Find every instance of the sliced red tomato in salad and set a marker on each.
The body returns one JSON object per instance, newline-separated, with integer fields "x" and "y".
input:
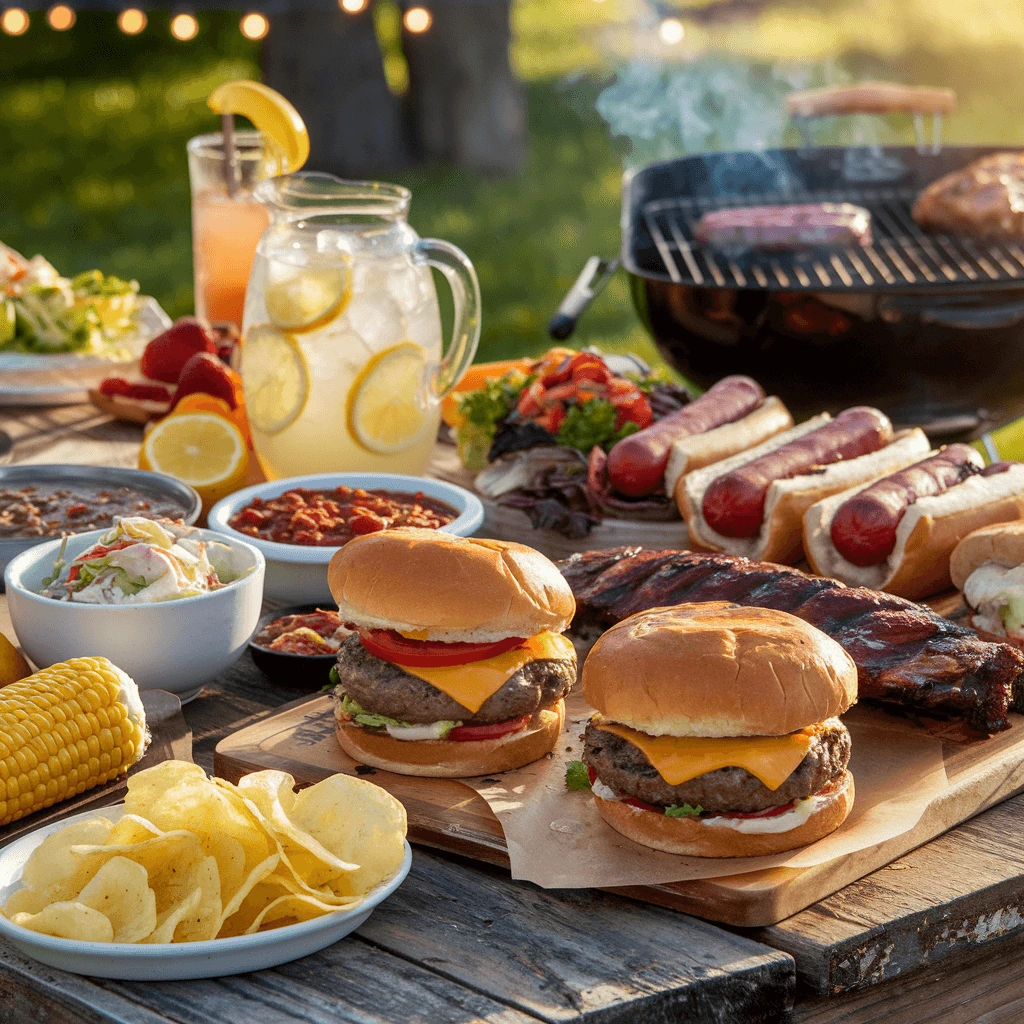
{"x": 100, "y": 551}
{"x": 465, "y": 733}
{"x": 389, "y": 645}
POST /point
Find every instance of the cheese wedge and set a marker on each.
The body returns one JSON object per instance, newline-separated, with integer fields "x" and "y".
{"x": 772, "y": 759}
{"x": 471, "y": 685}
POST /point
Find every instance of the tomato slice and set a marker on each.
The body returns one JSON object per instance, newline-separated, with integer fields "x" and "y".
{"x": 771, "y": 812}
{"x": 388, "y": 645}
{"x": 464, "y": 733}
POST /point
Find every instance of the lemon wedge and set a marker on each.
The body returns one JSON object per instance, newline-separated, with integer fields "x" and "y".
{"x": 275, "y": 378}
{"x": 270, "y": 112}
{"x": 201, "y": 449}
{"x": 308, "y": 299}
{"x": 385, "y": 414}
{"x": 13, "y": 665}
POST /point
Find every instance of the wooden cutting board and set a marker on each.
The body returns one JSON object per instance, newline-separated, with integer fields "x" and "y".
{"x": 448, "y": 815}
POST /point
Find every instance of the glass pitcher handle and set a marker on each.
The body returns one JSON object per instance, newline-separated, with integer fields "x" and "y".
{"x": 461, "y": 278}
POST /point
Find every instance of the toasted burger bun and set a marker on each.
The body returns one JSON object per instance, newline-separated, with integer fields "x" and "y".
{"x": 691, "y": 837}
{"x": 929, "y": 533}
{"x": 781, "y": 535}
{"x": 455, "y": 589}
{"x": 1002, "y": 543}
{"x": 700, "y": 450}
{"x": 717, "y": 670}
{"x": 449, "y": 759}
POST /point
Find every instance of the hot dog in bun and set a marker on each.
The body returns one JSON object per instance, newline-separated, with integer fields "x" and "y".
{"x": 753, "y": 503}
{"x": 729, "y": 417}
{"x": 716, "y": 733}
{"x": 458, "y": 666}
{"x": 897, "y": 533}
{"x": 987, "y": 566}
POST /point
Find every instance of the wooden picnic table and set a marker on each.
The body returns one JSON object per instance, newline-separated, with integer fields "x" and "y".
{"x": 936, "y": 936}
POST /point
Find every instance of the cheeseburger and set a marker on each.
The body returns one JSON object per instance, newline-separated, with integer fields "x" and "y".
{"x": 716, "y": 732}
{"x": 457, "y": 667}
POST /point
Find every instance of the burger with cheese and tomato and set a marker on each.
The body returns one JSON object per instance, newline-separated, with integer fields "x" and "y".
{"x": 716, "y": 733}
{"x": 458, "y": 666}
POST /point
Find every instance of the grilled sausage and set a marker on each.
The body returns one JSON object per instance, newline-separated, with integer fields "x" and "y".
{"x": 864, "y": 528}
{"x": 785, "y": 227}
{"x": 733, "y": 504}
{"x": 636, "y": 465}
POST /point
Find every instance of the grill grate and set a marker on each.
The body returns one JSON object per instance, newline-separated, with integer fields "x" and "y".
{"x": 901, "y": 255}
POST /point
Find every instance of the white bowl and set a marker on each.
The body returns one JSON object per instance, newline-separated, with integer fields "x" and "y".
{"x": 170, "y": 645}
{"x": 296, "y": 573}
{"x": 181, "y": 960}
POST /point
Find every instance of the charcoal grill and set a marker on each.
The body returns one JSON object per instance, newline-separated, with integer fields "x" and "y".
{"x": 928, "y": 327}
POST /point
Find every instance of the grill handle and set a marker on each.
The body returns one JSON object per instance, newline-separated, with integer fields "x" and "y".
{"x": 966, "y": 318}
{"x": 596, "y": 273}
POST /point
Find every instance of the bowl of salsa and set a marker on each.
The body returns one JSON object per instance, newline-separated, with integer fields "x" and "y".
{"x": 299, "y": 522}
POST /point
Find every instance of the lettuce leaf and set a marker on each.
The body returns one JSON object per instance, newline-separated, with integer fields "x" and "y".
{"x": 683, "y": 811}
{"x": 592, "y": 424}
{"x": 577, "y": 778}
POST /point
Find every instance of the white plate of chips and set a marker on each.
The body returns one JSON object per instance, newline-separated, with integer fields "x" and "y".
{"x": 145, "y": 884}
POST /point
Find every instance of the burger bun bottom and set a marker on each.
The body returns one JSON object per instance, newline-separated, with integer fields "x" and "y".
{"x": 689, "y": 837}
{"x": 454, "y": 759}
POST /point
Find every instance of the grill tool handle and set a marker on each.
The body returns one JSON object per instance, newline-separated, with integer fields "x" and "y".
{"x": 595, "y": 275}
{"x": 875, "y": 98}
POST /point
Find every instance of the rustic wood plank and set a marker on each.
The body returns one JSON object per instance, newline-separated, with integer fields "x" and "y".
{"x": 986, "y": 987}
{"x": 960, "y": 891}
{"x": 351, "y": 982}
{"x": 576, "y": 954}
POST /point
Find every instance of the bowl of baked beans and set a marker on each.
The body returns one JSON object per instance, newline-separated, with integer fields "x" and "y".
{"x": 299, "y": 522}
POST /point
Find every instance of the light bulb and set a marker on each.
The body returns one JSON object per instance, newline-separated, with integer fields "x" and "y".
{"x": 671, "y": 31}
{"x": 14, "y": 21}
{"x": 417, "y": 19}
{"x": 132, "y": 21}
{"x": 254, "y": 26}
{"x": 61, "y": 17}
{"x": 352, "y": 6}
{"x": 184, "y": 27}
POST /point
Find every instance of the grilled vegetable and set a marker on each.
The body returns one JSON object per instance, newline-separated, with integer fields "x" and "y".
{"x": 70, "y": 727}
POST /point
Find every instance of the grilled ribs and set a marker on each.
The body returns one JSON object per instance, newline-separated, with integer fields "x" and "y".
{"x": 906, "y": 654}
{"x": 984, "y": 199}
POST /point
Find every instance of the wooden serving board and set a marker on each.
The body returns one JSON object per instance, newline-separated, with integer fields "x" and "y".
{"x": 448, "y": 815}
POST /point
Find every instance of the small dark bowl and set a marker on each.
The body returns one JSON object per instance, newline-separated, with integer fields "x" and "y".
{"x": 294, "y": 671}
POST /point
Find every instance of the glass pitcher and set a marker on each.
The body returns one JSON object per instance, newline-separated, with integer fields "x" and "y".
{"x": 342, "y": 363}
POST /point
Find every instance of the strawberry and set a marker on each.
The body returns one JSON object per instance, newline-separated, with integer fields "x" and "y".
{"x": 118, "y": 386}
{"x": 166, "y": 355}
{"x": 206, "y": 374}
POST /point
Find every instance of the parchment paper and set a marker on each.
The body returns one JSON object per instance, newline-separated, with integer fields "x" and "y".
{"x": 556, "y": 839}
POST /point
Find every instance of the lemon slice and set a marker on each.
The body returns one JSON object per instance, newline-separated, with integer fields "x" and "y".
{"x": 275, "y": 378}
{"x": 308, "y": 299}
{"x": 384, "y": 412}
{"x": 270, "y": 112}
{"x": 198, "y": 448}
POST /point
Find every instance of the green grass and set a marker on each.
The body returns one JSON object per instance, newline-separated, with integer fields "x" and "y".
{"x": 93, "y": 128}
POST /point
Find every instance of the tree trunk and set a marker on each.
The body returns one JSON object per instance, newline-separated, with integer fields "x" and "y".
{"x": 467, "y": 107}
{"x": 328, "y": 64}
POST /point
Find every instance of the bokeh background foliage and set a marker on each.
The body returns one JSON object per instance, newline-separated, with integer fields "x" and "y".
{"x": 93, "y": 126}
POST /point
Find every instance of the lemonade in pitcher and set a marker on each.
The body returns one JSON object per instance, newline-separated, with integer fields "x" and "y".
{"x": 342, "y": 362}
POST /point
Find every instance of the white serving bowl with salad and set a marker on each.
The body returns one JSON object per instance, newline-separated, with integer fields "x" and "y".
{"x": 297, "y": 568}
{"x": 171, "y": 605}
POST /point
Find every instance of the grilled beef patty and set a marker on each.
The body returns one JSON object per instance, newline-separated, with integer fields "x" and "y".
{"x": 382, "y": 688}
{"x": 625, "y": 768}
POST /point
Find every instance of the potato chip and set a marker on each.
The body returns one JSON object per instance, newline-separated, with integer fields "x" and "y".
{"x": 151, "y": 853}
{"x": 174, "y": 881}
{"x": 53, "y": 871}
{"x": 131, "y": 829}
{"x": 289, "y": 910}
{"x": 259, "y": 896}
{"x": 25, "y": 901}
{"x": 257, "y": 875}
{"x": 120, "y": 892}
{"x": 169, "y": 920}
{"x": 274, "y": 794}
{"x": 229, "y": 854}
{"x": 358, "y": 822}
{"x": 68, "y": 920}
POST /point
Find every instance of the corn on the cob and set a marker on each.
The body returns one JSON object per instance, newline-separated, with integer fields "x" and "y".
{"x": 70, "y": 727}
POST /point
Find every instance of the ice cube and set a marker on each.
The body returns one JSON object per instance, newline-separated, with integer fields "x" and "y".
{"x": 405, "y": 284}
{"x": 376, "y": 318}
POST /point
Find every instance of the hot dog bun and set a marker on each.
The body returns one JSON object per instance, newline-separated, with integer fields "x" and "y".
{"x": 927, "y": 535}
{"x": 1002, "y": 543}
{"x": 781, "y": 536}
{"x": 700, "y": 450}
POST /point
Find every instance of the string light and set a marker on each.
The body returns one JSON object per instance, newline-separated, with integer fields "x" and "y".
{"x": 14, "y": 21}
{"x": 671, "y": 31}
{"x": 61, "y": 17}
{"x": 184, "y": 27}
{"x": 417, "y": 19}
{"x": 132, "y": 21}
{"x": 254, "y": 26}
{"x": 352, "y": 6}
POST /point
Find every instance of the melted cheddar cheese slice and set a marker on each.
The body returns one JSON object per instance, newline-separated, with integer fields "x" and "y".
{"x": 772, "y": 759}
{"x": 471, "y": 685}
